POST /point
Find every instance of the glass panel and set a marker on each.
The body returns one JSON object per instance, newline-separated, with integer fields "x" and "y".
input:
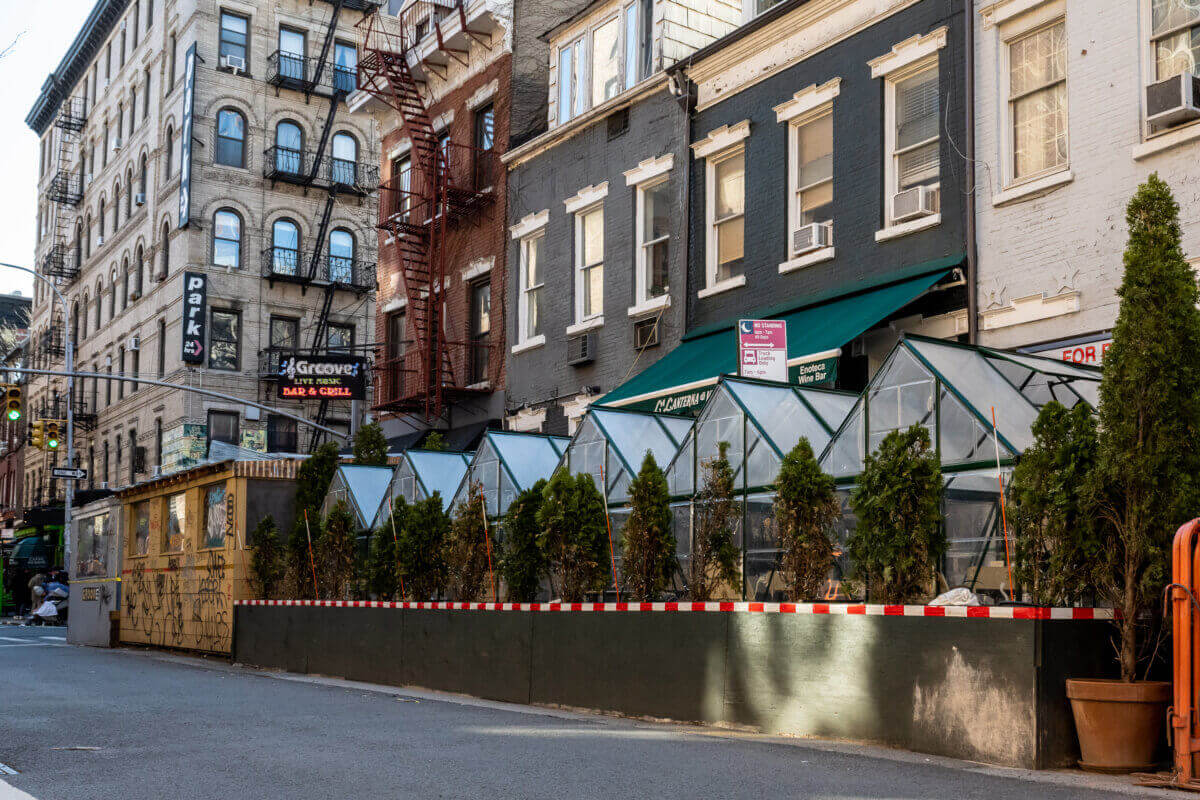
{"x": 593, "y": 291}
{"x": 1037, "y": 60}
{"x": 816, "y": 204}
{"x": 917, "y": 109}
{"x": 631, "y": 45}
{"x": 579, "y": 95}
{"x": 763, "y": 579}
{"x": 291, "y": 54}
{"x": 606, "y": 61}
{"x": 722, "y": 422}
{"x": 762, "y": 464}
{"x": 91, "y": 560}
{"x": 341, "y": 257}
{"x": 141, "y": 528}
{"x": 814, "y": 161}
{"x": 345, "y": 69}
{"x": 902, "y": 396}
{"x": 779, "y": 414}
{"x": 633, "y": 435}
{"x": 1166, "y": 15}
{"x": 1176, "y": 54}
{"x": 591, "y": 225}
{"x": 975, "y": 555}
{"x": 730, "y": 177}
{"x": 214, "y": 516}
{"x": 680, "y": 478}
{"x": 831, "y": 407}
{"x": 1040, "y": 131}
{"x": 565, "y": 79}
{"x": 967, "y": 371}
{"x": 176, "y": 522}
{"x": 964, "y": 439}
{"x": 528, "y": 457}
{"x": 844, "y": 456}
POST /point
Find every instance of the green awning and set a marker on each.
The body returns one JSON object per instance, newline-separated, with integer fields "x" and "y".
{"x": 682, "y": 379}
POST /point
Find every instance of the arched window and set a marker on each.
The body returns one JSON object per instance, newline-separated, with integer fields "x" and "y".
{"x": 99, "y": 302}
{"x": 170, "y": 153}
{"x": 142, "y": 175}
{"x": 345, "y": 158}
{"x": 83, "y": 316}
{"x": 341, "y": 256}
{"x": 112, "y": 295}
{"x": 289, "y": 148}
{"x": 231, "y": 138}
{"x": 138, "y": 269}
{"x": 227, "y": 238}
{"x": 124, "y": 284}
{"x": 87, "y": 237}
{"x": 75, "y": 323}
{"x": 78, "y": 245}
{"x": 116, "y": 207}
{"x": 164, "y": 247}
{"x": 128, "y": 193}
{"x": 285, "y": 241}
{"x": 100, "y": 219}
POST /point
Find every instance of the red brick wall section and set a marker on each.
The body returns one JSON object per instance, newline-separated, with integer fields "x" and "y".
{"x": 482, "y": 236}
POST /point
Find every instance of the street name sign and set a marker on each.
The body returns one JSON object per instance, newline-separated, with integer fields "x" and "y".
{"x": 69, "y": 473}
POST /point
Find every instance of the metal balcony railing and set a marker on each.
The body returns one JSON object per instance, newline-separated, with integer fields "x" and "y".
{"x": 293, "y": 71}
{"x": 295, "y": 166}
{"x": 401, "y": 382}
{"x": 353, "y": 273}
{"x": 72, "y": 114}
{"x": 61, "y": 262}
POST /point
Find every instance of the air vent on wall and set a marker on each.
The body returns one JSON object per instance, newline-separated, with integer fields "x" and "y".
{"x": 645, "y": 333}
{"x": 618, "y": 122}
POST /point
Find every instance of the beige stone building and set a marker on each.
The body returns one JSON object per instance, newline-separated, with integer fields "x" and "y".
{"x": 277, "y": 212}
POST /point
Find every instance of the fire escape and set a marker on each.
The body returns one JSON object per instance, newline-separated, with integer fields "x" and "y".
{"x": 61, "y": 262}
{"x": 448, "y": 184}
{"x": 324, "y": 267}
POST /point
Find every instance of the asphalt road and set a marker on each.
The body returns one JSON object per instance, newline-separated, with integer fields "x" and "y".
{"x": 83, "y": 723}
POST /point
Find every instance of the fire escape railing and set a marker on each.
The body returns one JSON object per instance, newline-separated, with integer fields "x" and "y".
{"x": 354, "y": 273}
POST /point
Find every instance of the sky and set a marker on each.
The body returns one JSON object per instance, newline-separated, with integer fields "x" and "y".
{"x": 37, "y": 35}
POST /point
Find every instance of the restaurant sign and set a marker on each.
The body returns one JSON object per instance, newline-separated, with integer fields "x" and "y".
{"x": 323, "y": 377}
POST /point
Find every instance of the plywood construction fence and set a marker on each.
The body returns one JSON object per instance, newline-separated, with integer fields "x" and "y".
{"x": 186, "y": 554}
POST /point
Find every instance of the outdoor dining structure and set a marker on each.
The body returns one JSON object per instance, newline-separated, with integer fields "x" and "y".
{"x": 421, "y": 474}
{"x": 979, "y": 405}
{"x": 361, "y": 488}
{"x": 507, "y": 463}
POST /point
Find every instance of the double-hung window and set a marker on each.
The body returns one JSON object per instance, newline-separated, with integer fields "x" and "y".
{"x": 727, "y": 211}
{"x": 653, "y": 240}
{"x": 633, "y": 44}
{"x": 813, "y": 176}
{"x": 915, "y": 136}
{"x": 572, "y": 64}
{"x": 1037, "y": 101}
{"x": 529, "y": 312}
{"x": 589, "y": 263}
{"x": 480, "y": 329}
{"x": 235, "y": 31}
{"x": 606, "y": 61}
{"x": 1174, "y": 37}
{"x": 292, "y": 47}
{"x": 225, "y": 340}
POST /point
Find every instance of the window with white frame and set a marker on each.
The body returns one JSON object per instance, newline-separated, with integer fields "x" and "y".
{"x": 1174, "y": 37}
{"x": 571, "y": 67}
{"x": 589, "y": 263}
{"x": 606, "y": 60}
{"x": 653, "y": 240}
{"x": 726, "y": 214}
{"x": 812, "y": 173}
{"x": 1037, "y": 101}
{"x": 532, "y": 279}
{"x": 599, "y": 64}
{"x": 633, "y": 44}
{"x": 913, "y": 131}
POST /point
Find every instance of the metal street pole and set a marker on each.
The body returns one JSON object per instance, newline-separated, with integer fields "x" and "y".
{"x": 69, "y": 496}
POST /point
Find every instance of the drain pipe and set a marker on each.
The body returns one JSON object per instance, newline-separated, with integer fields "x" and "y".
{"x": 969, "y": 141}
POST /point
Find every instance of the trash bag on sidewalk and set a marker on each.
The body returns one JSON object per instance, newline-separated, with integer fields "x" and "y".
{"x": 47, "y": 610}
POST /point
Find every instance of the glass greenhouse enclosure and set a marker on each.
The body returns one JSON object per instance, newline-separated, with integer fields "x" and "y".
{"x": 611, "y": 443}
{"x": 760, "y": 422}
{"x": 421, "y": 474}
{"x": 361, "y": 489}
{"x": 954, "y": 390}
{"x": 506, "y": 464}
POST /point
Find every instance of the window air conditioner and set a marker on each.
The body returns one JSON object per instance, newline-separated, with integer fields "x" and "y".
{"x": 234, "y": 64}
{"x": 116, "y": 144}
{"x": 914, "y": 203}
{"x": 139, "y": 199}
{"x": 99, "y": 241}
{"x": 87, "y": 178}
{"x": 134, "y": 343}
{"x": 581, "y": 349}
{"x": 1174, "y": 100}
{"x": 811, "y": 237}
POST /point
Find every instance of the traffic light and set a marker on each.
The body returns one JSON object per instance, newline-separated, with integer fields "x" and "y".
{"x": 37, "y": 434}
{"x": 12, "y": 402}
{"x": 52, "y": 437}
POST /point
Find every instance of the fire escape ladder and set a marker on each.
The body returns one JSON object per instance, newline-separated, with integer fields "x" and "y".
{"x": 329, "y": 34}
{"x": 326, "y": 132}
{"x": 320, "y": 344}
{"x": 65, "y": 192}
{"x": 315, "y": 273}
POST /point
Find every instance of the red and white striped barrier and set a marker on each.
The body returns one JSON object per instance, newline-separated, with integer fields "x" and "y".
{"x": 848, "y": 609}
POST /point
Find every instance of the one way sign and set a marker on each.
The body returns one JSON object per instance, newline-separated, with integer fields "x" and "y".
{"x": 69, "y": 473}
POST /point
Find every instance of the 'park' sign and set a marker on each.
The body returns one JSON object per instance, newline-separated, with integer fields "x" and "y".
{"x": 195, "y": 301}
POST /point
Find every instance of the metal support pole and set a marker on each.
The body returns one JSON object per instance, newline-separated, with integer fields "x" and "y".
{"x": 69, "y": 497}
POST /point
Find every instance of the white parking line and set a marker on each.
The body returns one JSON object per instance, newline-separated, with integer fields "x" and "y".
{"x": 53, "y": 638}
{"x": 12, "y": 639}
{"x": 12, "y": 793}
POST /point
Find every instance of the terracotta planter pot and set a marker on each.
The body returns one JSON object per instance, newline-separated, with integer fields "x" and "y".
{"x": 1121, "y": 725}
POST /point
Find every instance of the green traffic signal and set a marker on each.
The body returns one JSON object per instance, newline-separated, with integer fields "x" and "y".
{"x": 14, "y": 414}
{"x": 52, "y": 444}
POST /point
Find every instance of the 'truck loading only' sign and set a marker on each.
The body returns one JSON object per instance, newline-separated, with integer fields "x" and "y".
{"x": 195, "y": 314}
{"x": 762, "y": 349}
{"x": 332, "y": 377}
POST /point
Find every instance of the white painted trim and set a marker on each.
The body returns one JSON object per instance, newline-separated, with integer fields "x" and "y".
{"x": 905, "y": 228}
{"x": 529, "y": 344}
{"x": 649, "y": 169}
{"x": 649, "y": 306}
{"x": 588, "y": 324}
{"x": 909, "y": 52}
{"x": 402, "y": 147}
{"x": 530, "y": 223}
{"x": 683, "y": 387}
{"x": 1035, "y": 307}
{"x": 805, "y": 359}
{"x": 720, "y": 139}
{"x": 478, "y": 268}
{"x": 395, "y": 304}
{"x": 1034, "y": 188}
{"x": 724, "y": 286}
{"x": 810, "y": 98}
{"x": 483, "y": 95}
{"x": 1049, "y": 14}
{"x": 587, "y": 196}
{"x": 528, "y": 420}
{"x": 1002, "y": 11}
{"x": 443, "y": 121}
{"x": 1166, "y": 141}
{"x": 807, "y": 260}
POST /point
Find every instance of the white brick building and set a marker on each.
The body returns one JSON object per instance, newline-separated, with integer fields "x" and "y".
{"x": 109, "y": 223}
{"x": 1051, "y": 198}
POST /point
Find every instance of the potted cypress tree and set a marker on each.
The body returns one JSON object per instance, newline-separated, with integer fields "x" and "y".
{"x": 465, "y": 548}
{"x": 806, "y": 505}
{"x": 715, "y": 557}
{"x": 573, "y": 534}
{"x": 523, "y": 563}
{"x": 648, "y": 543}
{"x": 1145, "y": 481}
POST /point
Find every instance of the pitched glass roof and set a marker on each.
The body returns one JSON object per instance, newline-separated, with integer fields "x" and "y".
{"x": 979, "y": 403}
{"x": 610, "y": 445}
{"x": 362, "y": 489}
{"x": 506, "y": 463}
{"x": 420, "y": 474}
